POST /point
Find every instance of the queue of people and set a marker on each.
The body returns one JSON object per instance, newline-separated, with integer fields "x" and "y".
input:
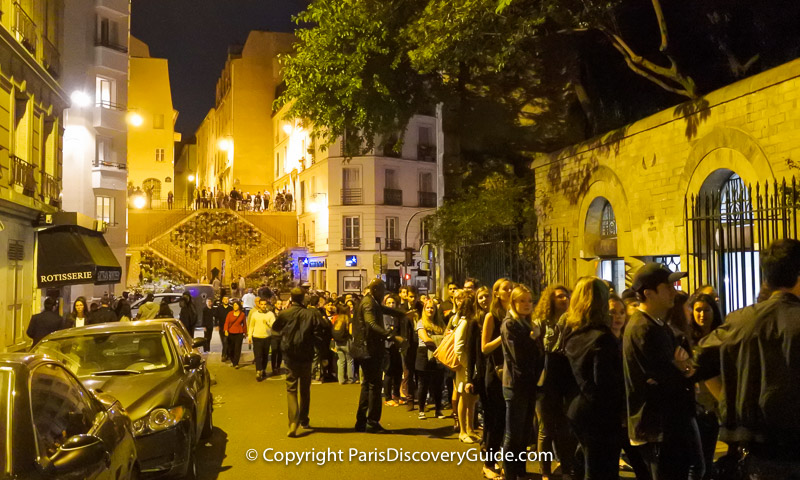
{"x": 205, "y": 198}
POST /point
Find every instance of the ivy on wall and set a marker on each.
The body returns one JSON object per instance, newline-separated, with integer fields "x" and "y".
{"x": 215, "y": 227}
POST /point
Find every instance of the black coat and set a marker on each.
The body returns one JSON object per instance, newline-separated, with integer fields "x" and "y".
{"x": 221, "y": 313}
{"x": 369, "y": 333}
{"x": 596, "y": 360}
{"x": 302, "y": 330}
{"x": 756, "y": 353}
{"x": 102, "y": 315}
{"x": 523, "y": 357}
{"x": 43, "y": 324}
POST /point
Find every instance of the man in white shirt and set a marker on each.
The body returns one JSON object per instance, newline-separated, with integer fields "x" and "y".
{"x": 248, "y": 301}
{"x": 259, "y": 329}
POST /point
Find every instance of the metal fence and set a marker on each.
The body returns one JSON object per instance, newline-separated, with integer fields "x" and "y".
{"x": 726, "y": 230}
{"x": 535, "y": 262}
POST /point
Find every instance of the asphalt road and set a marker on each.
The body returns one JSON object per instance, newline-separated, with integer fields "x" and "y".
{"x": 251, "y": 416}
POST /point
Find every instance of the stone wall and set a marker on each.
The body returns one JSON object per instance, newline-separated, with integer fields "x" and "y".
{"x": 647, "y": 169}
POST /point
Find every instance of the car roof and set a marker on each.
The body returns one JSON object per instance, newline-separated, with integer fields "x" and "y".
{"x": 111, "y": 327}
{"x": 18, "y": 361}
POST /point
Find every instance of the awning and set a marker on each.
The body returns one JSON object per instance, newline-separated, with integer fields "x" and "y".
{"x": 73, "y": 255}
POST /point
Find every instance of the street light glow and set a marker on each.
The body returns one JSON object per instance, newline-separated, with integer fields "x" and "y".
{"x": 134, "y": 119}
{"x": 139, "y": 202}
{"x": 287, "y": 128}
{"x": 224, "y": 144}
{"x": 80, "y": 99}
{"x": 191, "y": 178}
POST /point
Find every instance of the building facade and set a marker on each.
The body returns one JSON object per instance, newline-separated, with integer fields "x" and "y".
{"x": 151, "y": 129}
{"x": 31, "y": 132}
{"x": 356, "y": 215}
{"x": 95, "y": 75}
{"x": 234, "y": 142}
{"x": 701, "y": 187}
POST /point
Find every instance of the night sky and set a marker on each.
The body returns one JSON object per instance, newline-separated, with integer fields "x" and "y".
{"x": 194, "y": 36}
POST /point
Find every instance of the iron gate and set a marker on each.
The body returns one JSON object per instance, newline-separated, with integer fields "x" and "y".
{"x": 535, "y": 262}
{"x": 726, "y": 230}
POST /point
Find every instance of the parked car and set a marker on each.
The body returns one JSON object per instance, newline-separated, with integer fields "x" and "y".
{"x": 172, "y": 299}
{"x": 58, "y": 429}
{"x": 152, "y": 367}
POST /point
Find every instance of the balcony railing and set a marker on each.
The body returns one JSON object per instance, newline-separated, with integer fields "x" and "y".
{"x": 24, "y": 28}
{"x": 22, "y": 174}
{"x": 352, "y": 196}
{"x": 392, "y": 196}
{"x": 393, "y": 244}
{"x": 52, "y": 59}
{"x": 427, "y": 199}
{"x": 119, "y": 166}
{"x": 51, "y": 189}
{"x": 108, "y": 43}
{"x": 426, "y": 153}
{"x": 351, "y": 243}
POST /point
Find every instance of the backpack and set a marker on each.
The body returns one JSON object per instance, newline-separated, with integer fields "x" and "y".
{"x": 446, "y": 353}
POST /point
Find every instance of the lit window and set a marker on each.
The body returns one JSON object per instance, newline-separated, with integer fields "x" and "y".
{"x": 105, "y": 209}
{"x": 608, "y": 223}
{"x": 104, "y": 92}
{"x": 160, "y": 156}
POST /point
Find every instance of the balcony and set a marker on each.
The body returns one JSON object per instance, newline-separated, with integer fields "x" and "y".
{"x": 351, "y": 243}
{"x": 393, "y": 244}
{"x": 426, "y": 153}
{"x": 23, "y": 174}
{"x": 51, "y": 58}
{"x": 427, "y": 199}
{"x": 111, "y": 165}
{"x": 51, "y": 189}
{"x": 392, "y": 196}
{"x": 111, "y": 56}
{"x": 24, "y": 29}
{"x": 352, "y": 196}
{"x": 119, "y": 7}
{"x": 110, "y": 116}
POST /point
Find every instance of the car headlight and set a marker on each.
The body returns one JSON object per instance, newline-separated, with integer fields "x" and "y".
{"x": 159, "y": 419}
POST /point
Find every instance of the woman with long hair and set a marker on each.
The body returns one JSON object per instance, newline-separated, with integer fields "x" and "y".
{"x": 77, "y": 317}
{"x": 596, "y": 362}
{"x": 705, "y": 318}
{"x": 430, "y": 373}
{"x": 393, "y": 366}
{"x": 164, "y": 311}
{"x": 494, "y": 408}
{"x": 341, "y": 337}
{"x": 476, "y": 361}
{"x": 522, "y": 356}
{"x": 467, "y": 316}
{"x": 556, "y": 383}
{"x": 235, "y": 328}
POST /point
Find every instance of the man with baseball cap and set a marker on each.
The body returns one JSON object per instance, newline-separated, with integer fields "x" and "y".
{"x": 659, "y": 415}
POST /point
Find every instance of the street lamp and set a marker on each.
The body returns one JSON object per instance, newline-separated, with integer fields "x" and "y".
{"x": 80, "y": 99}
{"x": 134, "y": 119}
{"x": 139, "y": 202}
{"x": 191, "y": 178}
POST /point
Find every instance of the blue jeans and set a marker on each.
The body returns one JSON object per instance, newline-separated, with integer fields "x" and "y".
{"x": 344, "y": 363}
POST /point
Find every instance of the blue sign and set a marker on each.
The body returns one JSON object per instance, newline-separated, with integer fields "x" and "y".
{"x": 316, "y": 263}
{"x": 350, "y": 261}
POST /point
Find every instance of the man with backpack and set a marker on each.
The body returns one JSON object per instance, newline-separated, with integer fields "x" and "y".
{"x": 368, "y": 347}
{"x": 302, "y": 331}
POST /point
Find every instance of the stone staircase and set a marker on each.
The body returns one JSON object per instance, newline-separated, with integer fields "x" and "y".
{"x": 244, "y": 259}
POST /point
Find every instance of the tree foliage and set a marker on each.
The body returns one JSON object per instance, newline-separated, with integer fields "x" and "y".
{"x": 499, "y": 202}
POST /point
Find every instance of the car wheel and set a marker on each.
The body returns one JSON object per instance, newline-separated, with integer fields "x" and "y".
{"x": 208, "y": 426}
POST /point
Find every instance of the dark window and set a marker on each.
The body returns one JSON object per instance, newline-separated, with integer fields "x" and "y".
{"x": 608, "y": 223}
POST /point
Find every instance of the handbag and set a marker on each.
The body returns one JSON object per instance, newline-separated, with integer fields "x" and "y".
{"x": 446, "y": 353}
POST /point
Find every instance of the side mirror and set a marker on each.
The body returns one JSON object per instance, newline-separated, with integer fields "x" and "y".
{"x": 192, "y": 361}
{"x": 79, "y": 452}
{"x": 198, "y": 342}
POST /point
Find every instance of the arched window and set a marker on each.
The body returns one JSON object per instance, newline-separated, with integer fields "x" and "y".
{"x": 608, "y": 223}
{"x": 168, "y": 180}
{"x": 734, "y": 201}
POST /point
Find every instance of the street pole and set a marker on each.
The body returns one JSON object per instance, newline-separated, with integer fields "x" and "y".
{"x": 405, "y": 239}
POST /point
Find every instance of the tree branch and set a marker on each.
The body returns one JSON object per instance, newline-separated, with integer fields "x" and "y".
{"x": 662, "y": 25}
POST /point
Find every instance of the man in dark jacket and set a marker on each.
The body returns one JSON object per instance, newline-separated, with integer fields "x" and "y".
{"x": 188, "y": 313}
{"x": 208, "y": 323}
{"x": 658, "y": 420}
{"x": 369, "y": 348}
{"x": 220, "y": 313}
{"x": 755, "y": 352}
{"x": 46, "y": 322}
{"x": 104, "y": 314}
{"x": 303, "y": 331}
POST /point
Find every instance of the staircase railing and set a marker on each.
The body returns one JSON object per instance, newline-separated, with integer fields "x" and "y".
{"x": 190, "y": 265}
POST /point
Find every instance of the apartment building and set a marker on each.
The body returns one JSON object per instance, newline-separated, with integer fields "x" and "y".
{"x": 31, "y": 105}
{"x": 234, "y": 141}
{"x": 357, "y": 215}
{"x": 95, "y": 75}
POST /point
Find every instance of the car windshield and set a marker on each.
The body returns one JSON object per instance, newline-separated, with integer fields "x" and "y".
{"x": 111, "y": 354}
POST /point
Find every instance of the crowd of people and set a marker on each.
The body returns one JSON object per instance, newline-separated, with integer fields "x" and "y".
{"x": 648, "y": 379}
{"x": 242, "y": 201}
